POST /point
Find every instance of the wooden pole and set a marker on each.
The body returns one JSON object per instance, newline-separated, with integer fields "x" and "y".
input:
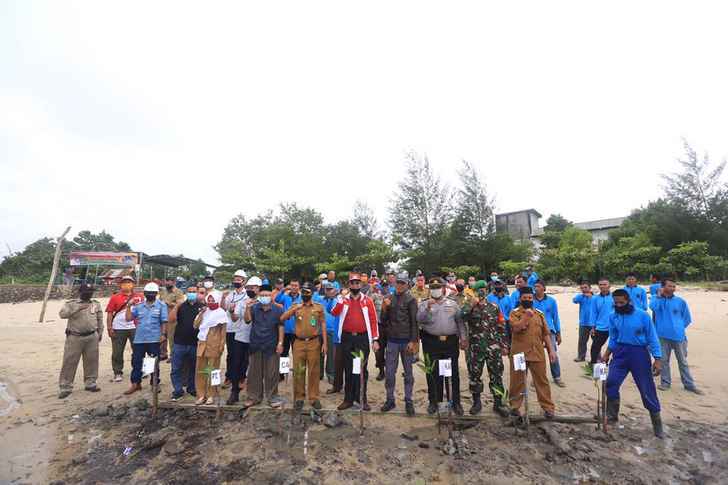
{"x": 54, "y": 270}
{"x": 155, "y": 386}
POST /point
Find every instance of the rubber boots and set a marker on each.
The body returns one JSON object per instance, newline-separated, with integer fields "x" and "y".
{"x": 477, "y": 405}
{"x": 612, "y": 410}
{"x": 657, "y": 425}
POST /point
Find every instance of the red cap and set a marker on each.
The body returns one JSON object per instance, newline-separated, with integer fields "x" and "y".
{"x": 354, "y": 276}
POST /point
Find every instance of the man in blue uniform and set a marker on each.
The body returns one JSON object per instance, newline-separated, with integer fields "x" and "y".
{"x": 637, "y": 294}
{"x": 583, "y": 299}
{"x": 632, "y": 338}
{"x": 547, "y": 305}
{"x": 672, "y": 317}
{"x": 602, "y": 306}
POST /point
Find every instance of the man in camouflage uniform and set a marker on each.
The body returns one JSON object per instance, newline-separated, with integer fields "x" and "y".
{"x": 486, "y": 332}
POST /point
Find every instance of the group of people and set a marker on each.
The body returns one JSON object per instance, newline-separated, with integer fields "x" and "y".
{"x": 327, "y": 331}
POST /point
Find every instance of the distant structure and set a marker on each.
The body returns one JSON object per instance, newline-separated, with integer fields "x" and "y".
{"x": 524, "y": 226}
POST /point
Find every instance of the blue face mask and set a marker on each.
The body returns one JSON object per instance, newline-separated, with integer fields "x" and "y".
{"x": 265, "y": 300}
{"x": 191, "y": 297}
{"x": 493, "y": 278}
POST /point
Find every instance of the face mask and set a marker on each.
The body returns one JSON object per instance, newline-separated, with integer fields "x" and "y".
{"x": 150, "y": 297}
{"x": 527, "y": 304}
{"x": 493, "y": 278}
{"x": 460, "y": 288}
{"x": 624, "y": 309}
{"x": 213, "y": 306}
{"x": 85, "y": 296}
{"x": 191, "y": 297}
{"x": 450, "y": 279}
{"x": 237, "y": 284}
{"x": 207, "y": 284}
{"x": 127, "y": 287}
{"x": 436, "y": 293}
{"x": 354, "y": 291}
{"x": 169, "y": 287}
{"x": 250, "y": 293}
{"x": 306, "y": 297}
{"x": 265, "y": 300}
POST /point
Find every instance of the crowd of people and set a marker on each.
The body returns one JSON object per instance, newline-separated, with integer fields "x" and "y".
{"x": 327, "y": 331}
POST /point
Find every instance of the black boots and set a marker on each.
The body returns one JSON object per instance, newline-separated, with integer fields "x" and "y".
{"x": 498, "y": 407}
{"x": 477, "y": 405}
{"x": 612, "y": 410}
{"x": 234, "y": 397}
{"x": 381, "y": 376}
{"x": 657, "y": 425}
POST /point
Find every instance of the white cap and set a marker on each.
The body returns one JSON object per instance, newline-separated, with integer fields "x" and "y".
{"x": 151, "y": 287}
{"x": 254, "y": 281}
{"x": 322, "y": 276}
{"x": 241, "y": 273}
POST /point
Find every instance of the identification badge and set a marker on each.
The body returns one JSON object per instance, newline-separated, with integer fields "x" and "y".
{"x": 313, "y": 322}
{"x": 519, "y": 361}
{"x": 356, "y": 366}
{"x": 445, "y": 367}
{"x": 215, "y": 377}
{"x": 600, "y": 371}
{"x": 148, "y": 365}
{"x": 284, "y": 367}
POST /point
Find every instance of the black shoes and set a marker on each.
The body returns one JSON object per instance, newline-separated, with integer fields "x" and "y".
{"x": 409, "y": 408}
{"x": 657, "y": 425}
{"x": 458, "y": 409}
{"x": 432, "y": 408}
{"x": 477, "y": 405}
{"x": 232, "y": 399}
{"x": 93, "y": 389}
{"x": 64, "y": 394}
{"x": 298, "y": 405}
{"x": 387, "y": 406}
{"x": 380, "y": 376}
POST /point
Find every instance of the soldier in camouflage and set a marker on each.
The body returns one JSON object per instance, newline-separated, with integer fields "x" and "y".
{"x": 486, "y": 332}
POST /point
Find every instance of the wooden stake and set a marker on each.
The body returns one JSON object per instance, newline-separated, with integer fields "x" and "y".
{"x": 54, "y": 270}
{"x": 155, "y": 386}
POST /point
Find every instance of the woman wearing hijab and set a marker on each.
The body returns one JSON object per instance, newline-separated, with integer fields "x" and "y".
{"x": 212, "y": 323}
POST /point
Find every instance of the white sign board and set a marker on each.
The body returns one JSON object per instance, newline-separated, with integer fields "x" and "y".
{"x": 356, "y": 368}
{"x": 600, "y": 372}
{"x": 215, "y": 377}
{"x": 445, "y": 367}
{"x": 284, "y": 367}
{"x": 519, "y": 361}
{"x": 148, "y": 365}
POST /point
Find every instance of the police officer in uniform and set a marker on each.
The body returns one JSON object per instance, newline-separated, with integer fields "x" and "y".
{"x": 84, "y": 330}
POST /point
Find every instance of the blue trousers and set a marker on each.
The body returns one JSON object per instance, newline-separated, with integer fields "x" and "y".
{"x": 183, "y": 355}
{"x": 138, "y": 351}
{"x": 556, "y": 366}
{"x": 636, "y": 360}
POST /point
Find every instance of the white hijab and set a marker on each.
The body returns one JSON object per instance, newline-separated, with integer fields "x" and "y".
{"x": 212, "y": 318}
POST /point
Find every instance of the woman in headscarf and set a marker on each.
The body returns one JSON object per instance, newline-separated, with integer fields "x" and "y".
{"x": 212, "y": 323}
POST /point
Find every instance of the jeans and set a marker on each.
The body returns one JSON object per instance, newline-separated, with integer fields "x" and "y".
{"x": 555, "y": 367}
{"x": 681, "y": 352}
{"x": 393, "y": 353}
{"x": 330, "y": 355}
{"x": 183, "y": 355}
{"x": 138, "y": 351}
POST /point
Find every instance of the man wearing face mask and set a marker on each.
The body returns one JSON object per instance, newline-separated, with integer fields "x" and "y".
{"x": 547, "y": 305}
{"x": 443, "y": 329}
{"x": 600, "y": 310}
{"x": 208, "y": 283}
{"x": 287, "y": 299}
{"x": 632, "y": 338}
{"x": 83, "y": 332}
{"x": 530, "y": 334}
{"x": 516, "y": 295}
{"x": 241, "y": 342}
{"x": 120, "y": 330}
{"x": 151, "y": 332}
{"x": 171, "y": 296}
{"x": 230, "y": 301}
{"x": 184, "y": 354}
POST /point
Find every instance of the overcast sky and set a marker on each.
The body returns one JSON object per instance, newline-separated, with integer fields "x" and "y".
{"x": 159, "y": 122}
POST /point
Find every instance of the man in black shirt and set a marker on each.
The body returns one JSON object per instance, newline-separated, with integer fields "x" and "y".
{"x": 184, "y": 354}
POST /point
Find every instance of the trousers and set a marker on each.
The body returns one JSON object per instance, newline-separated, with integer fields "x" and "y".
{"x": 138, "y": 352}
{"x": 118, "y": 345}
{"x": 306, "y": 361}
{"x": 598, "y": 341}
{"x": 438, "y": 349}
{"x": 555, "y": 366}
{"x": 229, "y": 344}
{"x": 635, "y": 360}
{"x": 352, "y": 386}
{"x": 338, "y": 368}
{"x": 584, "y": 333}
{"x": 203, "y": 385}
{"x": 75, "y": 348}
{"x": 263, "y": 376}
{"x": 394, "y": 353}
{"x": 183, "y": 356}
{"x": 380, "y": 355}
{"x": 681, "y": 353}
{"x": 518, "y": 385}
{"x": 483, "y": 351}
{"x": 239, "y": 363}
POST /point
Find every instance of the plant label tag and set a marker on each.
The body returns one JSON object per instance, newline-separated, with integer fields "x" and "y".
{"x": 600, "y": 372}
{"x": 519, "y": 361}
{"x": 445, "y": 367}
{"x": 148, "y": 365}
{"x": 215, "y": 377}
{"x": 356, "y": 366}
{"x": 285, "y": 365}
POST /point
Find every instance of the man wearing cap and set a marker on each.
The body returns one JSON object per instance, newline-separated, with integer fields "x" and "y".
{"x": 332, "y": 340}
{"x": 358, "y": 330}
{"x": 120, "y": 330}
{"x": 151, "y": 332}
{"x": 310, "y": 329}
{"x": 420, "y": 291}
{"x": 83, "y": 333}
{"x": 399, "y": 321}
{"x": 442, "y": 330}
{"x": 378, "y": 298}
{"x": 241, "y": 342}
{"x": 230, "y": 302}
{"x": 171, "y": 296}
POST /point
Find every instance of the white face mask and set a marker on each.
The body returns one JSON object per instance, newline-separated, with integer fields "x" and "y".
{"x": 436, "y": 293}
{"x": 207, "y": 284}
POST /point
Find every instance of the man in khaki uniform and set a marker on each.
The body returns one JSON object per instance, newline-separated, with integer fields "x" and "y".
{"x": 530, "y": 334}
{"x": 310, "y": 329}
{"x": 84, "y": 330}
{"x": 420, "y": 291}
{"x": 172, "y": 296}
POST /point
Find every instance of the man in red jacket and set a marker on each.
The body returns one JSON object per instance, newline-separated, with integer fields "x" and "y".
{"x": 358, "y": 329}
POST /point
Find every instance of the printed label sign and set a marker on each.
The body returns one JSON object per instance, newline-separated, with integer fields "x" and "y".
{"x": 285, "y": 365}
{"x": 148, "y": 365}
{"x": 356, "y": 368}
{"x": 600, "y": 372}
{"x": 519, "y": 361}
{"x": 215, "y": 377}
{"x": 445, "y": 367}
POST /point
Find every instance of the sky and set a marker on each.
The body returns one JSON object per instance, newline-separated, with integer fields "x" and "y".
{"x": 160, "y": 121}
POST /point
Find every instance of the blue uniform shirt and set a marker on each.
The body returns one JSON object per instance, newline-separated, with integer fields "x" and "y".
{"x": 533, "y": 279}
{"x": 584, "y": 302}
{"x": 637, "y": 296}
{"x": 550, "y": 310}
{"x": 504, "y": 303}
{"x": 332, "y": 322}
{"x": 149, "y": 321}
{"x": 654, "y": 289}
{"x": 288, "y": 301}
{"x": 601, "y": 308}
{"x": 515, "y": 298}
{"x": 633, "y": 329}
{"x": 672, "y": 316}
